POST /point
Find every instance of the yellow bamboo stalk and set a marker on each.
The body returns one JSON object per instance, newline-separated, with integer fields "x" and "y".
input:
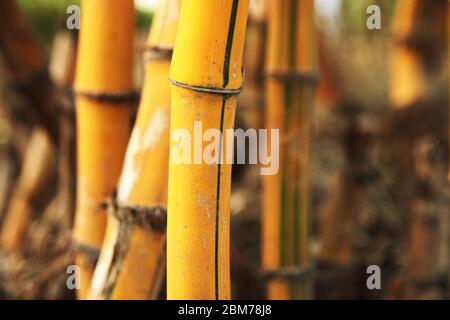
{"x": 205, "y": 76}
{"x": 131, "y": 273}
{"x": 103, "y": 86}
{"x": 291, "y": 65}
{"x": 306, "y": 63}
{"x": 277, "y": 61}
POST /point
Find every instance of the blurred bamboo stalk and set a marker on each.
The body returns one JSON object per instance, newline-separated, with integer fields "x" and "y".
{"x": 130, "y": 264}
{"x": 6, "y": 179}
{"x": 206, "y": 75}
{"x": 104, "y": 94}
{"x": 62, "y": 73}
{"x": 419, "y": 36}
{"x": 419, "y": 33}
{"x": 36, "y": 169}
{"x": 28, "y": 80}
{"x": 251, "y": 101}
{"x": 406, "y": 78}
{"x": 329, "y": 89}
{"x": 291, "y": 77}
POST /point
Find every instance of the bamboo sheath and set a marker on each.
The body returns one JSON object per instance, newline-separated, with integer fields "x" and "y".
{"x": 130, "y": 260}
{"x": 291, "y": 68}
{"x": 206, "y": 75}
{"x": 103, "y": 87}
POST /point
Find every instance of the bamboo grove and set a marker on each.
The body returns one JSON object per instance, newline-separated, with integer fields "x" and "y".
{"x": 101, "y": 172}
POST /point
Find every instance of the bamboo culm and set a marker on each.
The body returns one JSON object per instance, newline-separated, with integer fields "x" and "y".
{"x": 132, "y": 260}
{"x": 205, "y": 76}
{"x": 291, "y": 78}
{"x": 104, "y": 92}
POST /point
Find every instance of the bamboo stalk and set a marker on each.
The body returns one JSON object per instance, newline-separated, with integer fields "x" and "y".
{"x": 251, "y": 101}
{"x": 406, "y": 83}
{"x": 205, "y": 76}
{"x": 35, "y": 171}
{"x": 130, "y": 272}
{"x": 419, "y": 30}
{"x": 329, "y": 91}
{"x": 275, "y": 113}
{"x": 6, "y": 179}
{"x": 28, "y": 78}
{"x": 62, "y": 72}
{"x": 103, "y": 87}
{"x": 291, "y": 68}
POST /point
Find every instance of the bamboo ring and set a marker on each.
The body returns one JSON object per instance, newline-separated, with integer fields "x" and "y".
{"x": 308, "y": 77}
{"x": 92, "y": 253}
{"x": 104, "y": 96}
{"x": 156, "y": 53}
{"x": 212, "y": 90}
{"x": 150, "y": 218}
{"x": 289, "y": 273}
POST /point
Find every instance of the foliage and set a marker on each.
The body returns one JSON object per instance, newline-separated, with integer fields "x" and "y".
{"x": 46, "y": 16}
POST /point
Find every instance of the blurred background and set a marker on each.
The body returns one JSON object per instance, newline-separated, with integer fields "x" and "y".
{"x": 379, "y": 151}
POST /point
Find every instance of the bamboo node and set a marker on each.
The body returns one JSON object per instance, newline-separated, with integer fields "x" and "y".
{"x": 307, "y": 77}
{"x": 92, "y": 253}
{"x": 211, "y": 90}
{"x": 113, "y": 97}
{"x": 150, "y": 218}
{"x": 289, "y": 273}
{"x": 151, "y": 53}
